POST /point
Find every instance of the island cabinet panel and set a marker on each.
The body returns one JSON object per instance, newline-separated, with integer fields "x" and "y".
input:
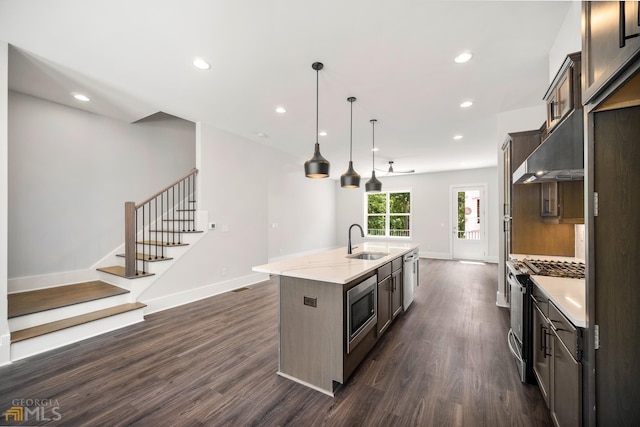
{"x": 384, "y": 304}
{"x": 312, "y": 337}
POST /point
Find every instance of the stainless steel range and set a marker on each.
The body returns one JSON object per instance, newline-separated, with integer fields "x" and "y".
{"x": 520, "y": 337}
{"x": 573, "y": 270}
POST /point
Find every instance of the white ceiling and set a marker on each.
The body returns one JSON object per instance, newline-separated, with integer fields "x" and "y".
{"x": 133, "y": 59}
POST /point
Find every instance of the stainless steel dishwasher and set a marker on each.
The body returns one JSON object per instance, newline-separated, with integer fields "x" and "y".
{"x": 410, "y": 277}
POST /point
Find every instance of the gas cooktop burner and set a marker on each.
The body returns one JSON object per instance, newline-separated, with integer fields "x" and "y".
{"x": 572, "y": 270}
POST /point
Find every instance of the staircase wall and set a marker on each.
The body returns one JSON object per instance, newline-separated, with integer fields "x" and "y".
{"x": 245, "y": 188}
{"x": 70, "y": 173}
{"x": 5, "y": 337}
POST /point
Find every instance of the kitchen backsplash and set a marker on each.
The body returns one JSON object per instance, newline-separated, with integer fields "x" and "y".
{"x": 579, "y": 232}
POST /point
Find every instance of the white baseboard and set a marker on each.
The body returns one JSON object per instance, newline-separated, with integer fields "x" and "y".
{"x": 32, "y": 283}
{"x": 192, "y": 295}
{"x": 435, "y": 255}
{"x": 5, "y": 349}
{"x": 500, "y": 300}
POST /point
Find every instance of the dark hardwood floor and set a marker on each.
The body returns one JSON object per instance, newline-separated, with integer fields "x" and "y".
{"x": 444, "y": 362}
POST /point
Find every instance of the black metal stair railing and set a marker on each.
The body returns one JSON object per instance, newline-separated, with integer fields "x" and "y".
{"x": 158, "y": 222}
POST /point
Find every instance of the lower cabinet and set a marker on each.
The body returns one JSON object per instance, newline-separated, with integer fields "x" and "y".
{"x": 558, "y": 372}
{"x": 389, "y": 293}
{"x": 542, "y": 348}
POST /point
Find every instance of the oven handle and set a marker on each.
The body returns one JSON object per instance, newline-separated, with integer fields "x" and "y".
{"x": 511, "y": 349}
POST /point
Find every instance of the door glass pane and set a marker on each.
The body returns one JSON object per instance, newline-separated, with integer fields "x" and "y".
{"x": 469, "y": 215}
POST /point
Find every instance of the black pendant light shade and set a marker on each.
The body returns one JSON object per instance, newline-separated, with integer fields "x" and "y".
{"x": 351, "y": 178}
{"x": 373, "y": 185}
{"x": 317, "y": 166}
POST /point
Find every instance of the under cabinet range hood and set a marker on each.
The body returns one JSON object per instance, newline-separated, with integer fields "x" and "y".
{"x": 560, "y": 157}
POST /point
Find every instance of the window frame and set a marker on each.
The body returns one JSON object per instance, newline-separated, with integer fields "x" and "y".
{"x": 387, "y": 215}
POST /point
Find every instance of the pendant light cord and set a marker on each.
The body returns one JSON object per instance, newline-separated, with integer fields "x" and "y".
{"x": 317, "y": 103}
{"x": 373, "y": 148}
{"x": 351, "y": 135}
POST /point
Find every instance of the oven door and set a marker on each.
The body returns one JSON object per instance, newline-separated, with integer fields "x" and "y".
{"x": 516, "y": 301}
{"x": 362, "y": 303}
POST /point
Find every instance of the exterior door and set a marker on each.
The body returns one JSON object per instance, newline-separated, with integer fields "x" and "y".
{"x": 469, "y": 239}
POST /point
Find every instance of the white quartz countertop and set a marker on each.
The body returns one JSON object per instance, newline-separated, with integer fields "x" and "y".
{"x": 567, "y": 294}
{"x": 333, "y": 266}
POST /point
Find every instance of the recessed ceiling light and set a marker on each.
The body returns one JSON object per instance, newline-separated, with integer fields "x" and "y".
{"x": 263, "y": 135}
{"x": 201, "y": 64}
{"x": 457, "y": 137}
{"x": 463, "y": 57}
{"x": 322, "y": 133}
{"x": 466, "y": 104}
{"x": 281, "y": 110}
{"x": 81, "y": 97}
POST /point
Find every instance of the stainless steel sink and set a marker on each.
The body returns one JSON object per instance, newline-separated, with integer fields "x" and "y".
{"x": 367, "y": 255}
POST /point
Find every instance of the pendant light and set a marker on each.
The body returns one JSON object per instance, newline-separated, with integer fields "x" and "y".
{"x": 373, "y": 185}
{"x": 317, "y": 166}
{"x": 351, "y": 178}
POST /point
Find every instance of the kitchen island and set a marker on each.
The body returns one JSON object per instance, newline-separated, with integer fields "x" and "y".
{"x": 315, "y": 348}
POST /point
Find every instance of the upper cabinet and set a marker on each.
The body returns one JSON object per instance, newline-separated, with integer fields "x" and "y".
{"x": 564, "y": 94}
{"x": 610, "y": 41}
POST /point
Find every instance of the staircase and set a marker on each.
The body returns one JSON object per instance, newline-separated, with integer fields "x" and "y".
{"x": 158, "y": 232}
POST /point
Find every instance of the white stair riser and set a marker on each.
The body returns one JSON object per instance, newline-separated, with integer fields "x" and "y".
{"x": 35, "y": 319}
{"x": 32, "y": 346}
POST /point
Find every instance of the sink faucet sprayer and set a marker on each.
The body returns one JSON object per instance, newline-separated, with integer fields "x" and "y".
{"x": 350, "y": 250}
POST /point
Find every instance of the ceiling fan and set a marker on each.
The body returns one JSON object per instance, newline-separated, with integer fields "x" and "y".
{"x": 392, "y": 171}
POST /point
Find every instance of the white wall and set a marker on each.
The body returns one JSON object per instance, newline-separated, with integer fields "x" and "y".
{"x": 4, "y": 84}
{"x": 245, "y": 188}
{"x": 70, "y": 173}
{"x": 302, "y": 213}
{"x": 430, "y": 208}
{"x": 568, "y": 40}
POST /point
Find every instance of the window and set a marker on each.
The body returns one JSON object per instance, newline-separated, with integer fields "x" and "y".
{"x": 388, "y": 214}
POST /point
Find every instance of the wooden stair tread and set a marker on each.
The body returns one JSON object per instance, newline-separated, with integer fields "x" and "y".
{"x": 29, "y": 302}
{"x": 118, "y": 270}
{"x": 144, "y": 257}
{"x": 156, "y": 243}
{"x": 47, "y": 328}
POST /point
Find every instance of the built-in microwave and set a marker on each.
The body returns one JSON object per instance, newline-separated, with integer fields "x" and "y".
{"x": 361, "y": 304}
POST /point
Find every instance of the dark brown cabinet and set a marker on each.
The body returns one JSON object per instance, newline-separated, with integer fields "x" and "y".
{"x": 564, "y": 94}
{"x": 616, "y": 252}
{"x": 611, "y": 74}
{"x": 610, "y": 42}
{"x": 556, "y": 364}
{"x": 389, "y": 293}
{"x": 562, "y": 201}
{"x": 542, "y": 348}
{"x": 396, "y": 287}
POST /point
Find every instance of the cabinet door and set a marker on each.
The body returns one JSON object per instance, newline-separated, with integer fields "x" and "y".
{"x": 396, "y": 293}
{"x": 567, "y": 387}
{"x": 608, "y": 46}
{"x": 560, "y": 103}
{"x": 384, "y": 304}
{"x": 549, "y": 199}
{"x": 541, "y": 353}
